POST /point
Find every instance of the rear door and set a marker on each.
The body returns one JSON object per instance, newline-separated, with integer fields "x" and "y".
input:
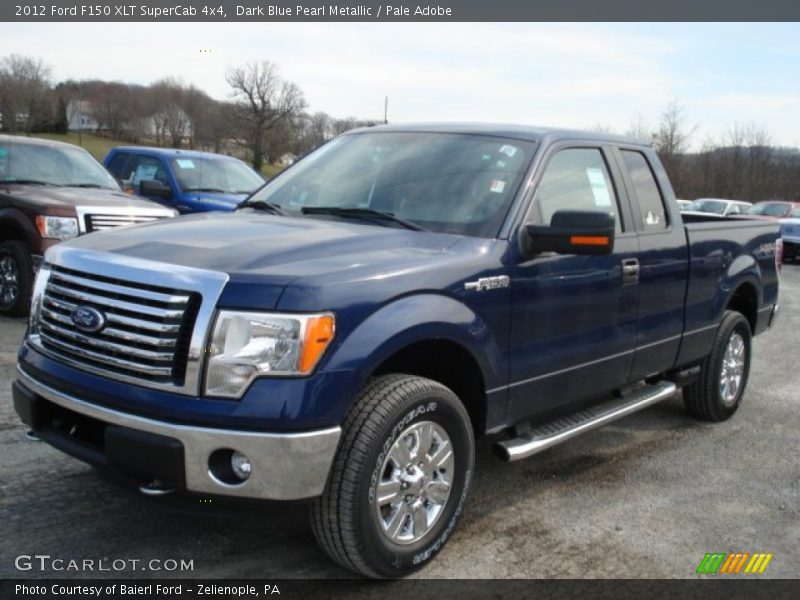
{"x": 663, "y": 262}
{"x": 573, "y": 323}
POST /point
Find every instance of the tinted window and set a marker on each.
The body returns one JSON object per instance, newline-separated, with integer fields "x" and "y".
{"x": 710, "y": 206}
{"x": 575, "y": 179}
{"x": 145, "y": 168}
{"x": 770, "y": 209}
{"x": 117, "y": 165}
{"x": 444, "y": 182}
{"x": 651, "y": 204}
{"x": 221, "y": 175}
{"x": 52, "y": 165}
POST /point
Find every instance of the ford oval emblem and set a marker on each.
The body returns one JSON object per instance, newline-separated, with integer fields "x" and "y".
{"x": 88, "y": 319}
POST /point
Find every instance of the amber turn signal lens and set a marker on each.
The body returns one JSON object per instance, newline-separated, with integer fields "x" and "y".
{"x": 589, "y": 240}
{"x": 319, "y": 333}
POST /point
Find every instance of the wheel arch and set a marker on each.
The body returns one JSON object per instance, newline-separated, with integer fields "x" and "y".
{"x": 430, "y": 335}
{"x": 745, "y": 300}
{"x": 14, "y": 226}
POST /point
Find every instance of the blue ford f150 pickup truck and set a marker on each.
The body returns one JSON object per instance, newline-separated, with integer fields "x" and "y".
{"x": 186, "y": 180}
{"x": 346, "y": 334}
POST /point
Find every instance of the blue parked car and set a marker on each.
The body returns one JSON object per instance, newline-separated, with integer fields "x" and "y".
{"x": 185, "y": 180}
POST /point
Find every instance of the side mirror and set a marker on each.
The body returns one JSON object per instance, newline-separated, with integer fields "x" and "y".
{"x": 152, "y": 187}
{"x": 571, "y": 232}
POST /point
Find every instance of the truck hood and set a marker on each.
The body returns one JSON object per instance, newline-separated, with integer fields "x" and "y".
{"x": 51, "y": 197}
{"x": 262, "y": 254}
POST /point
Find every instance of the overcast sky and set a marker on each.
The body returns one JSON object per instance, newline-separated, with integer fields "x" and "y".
{"x": 564, "y": 74}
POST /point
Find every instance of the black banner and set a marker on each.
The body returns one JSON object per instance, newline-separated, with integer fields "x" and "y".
{"x": 731, "y": 588}
{"x": 399, "y": 10}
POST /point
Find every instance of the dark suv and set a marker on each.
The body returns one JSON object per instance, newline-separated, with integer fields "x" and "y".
{"x": 50, "y": 192}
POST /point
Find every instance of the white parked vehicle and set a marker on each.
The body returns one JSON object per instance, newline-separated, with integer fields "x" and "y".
{"x": 719, "y": 206}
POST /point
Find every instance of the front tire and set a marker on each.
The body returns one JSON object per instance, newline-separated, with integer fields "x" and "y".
{"x": 400, "y": 478}
{"x": 719, "y": 388}
{"x": 16, "y": 278}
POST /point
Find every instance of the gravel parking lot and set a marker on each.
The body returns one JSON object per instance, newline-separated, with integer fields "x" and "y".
{"x": 647, "y": 496}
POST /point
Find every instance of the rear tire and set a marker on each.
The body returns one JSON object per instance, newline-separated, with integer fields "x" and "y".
{"x": 400, "y": 478}
{"x": 16, "y": 278}
{"x": 718, "y": 390}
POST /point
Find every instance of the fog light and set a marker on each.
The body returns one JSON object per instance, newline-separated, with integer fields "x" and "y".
{"x": 241, "y": 465}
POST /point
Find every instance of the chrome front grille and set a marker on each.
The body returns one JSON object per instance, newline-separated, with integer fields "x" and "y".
{"x": 98, "y": 222}
{"x": 147, "y": 330}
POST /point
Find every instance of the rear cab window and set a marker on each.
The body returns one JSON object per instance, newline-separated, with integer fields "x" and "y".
{"x": 652, "y": 210}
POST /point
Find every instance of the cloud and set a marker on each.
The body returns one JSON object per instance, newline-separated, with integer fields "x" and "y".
{"x": 573, "y": 74}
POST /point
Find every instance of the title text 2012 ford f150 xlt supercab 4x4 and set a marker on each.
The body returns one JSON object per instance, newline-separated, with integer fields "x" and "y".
{"x": 346, "y": 334}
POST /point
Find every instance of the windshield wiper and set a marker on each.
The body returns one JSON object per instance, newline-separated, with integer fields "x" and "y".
{"x": 87, "y": 185}
{"x": 269, "y": 207}
{"x": 30, "y": 182}
{"x": 205, "y": 189}
{"x": 361, "y": 213}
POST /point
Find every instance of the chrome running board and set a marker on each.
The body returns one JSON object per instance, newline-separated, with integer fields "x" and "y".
{"x": 553, "y": 433}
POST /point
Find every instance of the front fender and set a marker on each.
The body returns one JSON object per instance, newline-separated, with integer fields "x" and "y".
{"x": 417, "y": 318}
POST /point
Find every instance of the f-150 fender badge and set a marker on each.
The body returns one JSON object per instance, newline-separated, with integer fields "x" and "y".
{"x": 487, "y": 283}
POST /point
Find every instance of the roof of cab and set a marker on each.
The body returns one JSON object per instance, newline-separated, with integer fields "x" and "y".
{"x": 520, "y": 132}
{"x": 170, "y": 152}
{"x": 24, "y": 139}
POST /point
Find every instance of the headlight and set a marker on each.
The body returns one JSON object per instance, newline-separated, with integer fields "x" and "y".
{"x": 36, "y": 299}
{"x": 57, "y": 228}
{"x": 246, "y": 345}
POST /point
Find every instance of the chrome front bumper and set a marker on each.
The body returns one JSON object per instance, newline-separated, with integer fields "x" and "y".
{"x": 285, "y": 466}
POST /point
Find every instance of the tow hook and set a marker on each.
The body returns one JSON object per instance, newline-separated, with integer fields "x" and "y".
{"x": 155, "y": 488}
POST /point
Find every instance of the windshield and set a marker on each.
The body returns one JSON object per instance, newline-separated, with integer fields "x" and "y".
{"x": 709, "y": 206}
{"x": 52, "y": 165}
{"x": 443, "y": 182}
{"x": 795, "y": 212}
{"x": 221, "y": 175}
{"x": 769, "y": 209}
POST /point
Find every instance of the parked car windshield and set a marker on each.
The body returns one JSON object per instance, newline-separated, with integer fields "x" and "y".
{"x": 709, "y": 206}
{"x": 795, "y": 213}
{"x": 769, "y": 209}
{"x": 221, "y": 175}
{"x": 52, "y": 165}
{"x": 454, "y": 183}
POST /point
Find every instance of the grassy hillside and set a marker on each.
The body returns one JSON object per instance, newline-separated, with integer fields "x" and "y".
{"x": 99, "y": 147}
{"x": 96, "y": 146}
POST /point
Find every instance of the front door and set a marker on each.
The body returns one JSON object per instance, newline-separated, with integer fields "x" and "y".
{"x": 573, "y": 325}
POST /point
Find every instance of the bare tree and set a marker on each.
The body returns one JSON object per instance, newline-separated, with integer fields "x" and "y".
{"x": 640, "y": 129}
{"x": 760, "y": 164}
{"x": 671, "y": 140}
{"x": 265, "y": 100}
{"x": 25, "y": 93}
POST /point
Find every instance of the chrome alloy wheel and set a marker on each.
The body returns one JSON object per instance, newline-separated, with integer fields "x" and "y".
{"x": 415, "y": 482}
{"x": 732, "y": 372}
{"x": 9, "y": 280}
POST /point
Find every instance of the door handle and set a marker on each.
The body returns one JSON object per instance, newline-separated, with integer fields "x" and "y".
{"x": 630, "y": 271}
